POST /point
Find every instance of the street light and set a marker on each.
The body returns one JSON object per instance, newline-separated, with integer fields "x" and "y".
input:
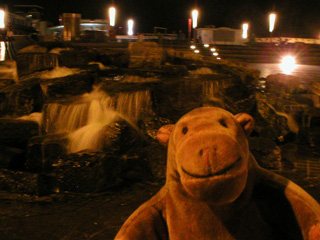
{"x": 245, "y": 28}
{"x": 272, "y": 20}
{"x": 2, "y": 16}
{"x": 112, "y": 16}
{"x": 130, "y": 27}
{"x": 2, "y": 51}
{"x": 195, "y": 15}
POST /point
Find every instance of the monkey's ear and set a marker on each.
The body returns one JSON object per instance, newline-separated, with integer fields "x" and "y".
{"x": 164, "y": 133}
{"x": 246, "y": 121}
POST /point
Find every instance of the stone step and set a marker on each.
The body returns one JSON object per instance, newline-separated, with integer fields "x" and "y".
{"x": 8, "y": 70}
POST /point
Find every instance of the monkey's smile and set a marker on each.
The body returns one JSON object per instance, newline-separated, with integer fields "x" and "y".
{"x": 218, "y": 173}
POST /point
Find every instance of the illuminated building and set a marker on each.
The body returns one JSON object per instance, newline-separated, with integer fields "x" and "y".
{"x": 90, "y": 30}
{"x": 220, "y": 36}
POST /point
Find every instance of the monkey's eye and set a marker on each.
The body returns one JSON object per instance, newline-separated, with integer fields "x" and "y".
{"x": 184, "y": 130}
{"x": 223, "y": 123}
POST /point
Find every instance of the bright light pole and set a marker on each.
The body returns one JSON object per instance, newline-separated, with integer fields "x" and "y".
{"x": 195, "y": 14}
{"x": 112, "y": 16}
{"x": 245, "y": 28}
{"x": 130, "y": 27}
{"x": 272, "y": 20}
{"x": 2, "y": 17}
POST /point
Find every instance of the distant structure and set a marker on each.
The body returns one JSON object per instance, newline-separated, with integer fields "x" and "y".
{"x": 19, "y": 24}
{"x": 74, "y": 28}
{"x": 220, "y": 36}
{"x": 26, "y": 20}
{"x": 71, "y": 23}
{"x": 33, "y": 14}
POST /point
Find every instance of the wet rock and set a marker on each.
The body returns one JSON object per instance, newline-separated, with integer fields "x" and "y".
{"x": 27, "y": 183}
{"x": 67, "y": 86}
{"x": 35, "y": 48}
{"x": 145, "y": 55}
{"x": 175, "y": 97}
{"x": 282, "y": 83}
{"x": 113, "y": 88}
{"x": 21, "y": 99}
{"x": 16, "y": 132}
{"x": 186, "y": 58}
{"x": 43, "y": 151}
{"x": 266, "y": 152}
{"x": 115, "y": 58}
{"x": 89, "y": 172}
{"x": 175, "y": 70}
{"x": 287, "y": 164}
{"x": 28, "y": 63}
{"x": 12, "y": 158}
{"x": 270, "y": 123}
{"x": 151, "y": 124}
{"x": 120, "y": 137}
{"x": 77, "y": 57}
{"x": 238, "y": 98}
{"x": 6, "y": 82}
{"x": 156, "y": 156}
{"x": 8, "y": 72}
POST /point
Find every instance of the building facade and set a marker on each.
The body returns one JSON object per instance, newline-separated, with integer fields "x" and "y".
{"x": 220, "y": 36}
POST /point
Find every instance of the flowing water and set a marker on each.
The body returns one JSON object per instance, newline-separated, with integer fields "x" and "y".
{"x": 84, "y": 119}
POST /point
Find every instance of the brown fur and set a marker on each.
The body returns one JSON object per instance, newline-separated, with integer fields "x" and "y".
{"x": 216, "y": 190}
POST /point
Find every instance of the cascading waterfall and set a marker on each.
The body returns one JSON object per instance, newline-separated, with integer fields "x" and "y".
{"x": 210, "y": 89}
{"x": 34, "y": 62}
{"x": 84, "y": 119}
{"x": 292, "y": 124}
{"x": 132, "y": 104}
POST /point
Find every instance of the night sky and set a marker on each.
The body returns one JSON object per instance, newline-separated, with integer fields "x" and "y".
{"x": 296, "y": 18}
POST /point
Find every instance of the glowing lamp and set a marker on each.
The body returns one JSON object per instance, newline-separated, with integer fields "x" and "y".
{"x": 206, "y": 45}
{"x": 112, "y": 16}
{"x": 196, "y": 51}
{"x": 272, "y": 20}
{"x": 215, "y": 54}
{"x": 2, "y": 15}
{"x": 288, "y": 64}
{"x": 193, "y": 47}
{"x": 130, "y": 27}
{"x": 195, "y": 14}
{"x": 212, "y": 49}
{"x": 2, "y": 51}
{"x": 245, "y": 28}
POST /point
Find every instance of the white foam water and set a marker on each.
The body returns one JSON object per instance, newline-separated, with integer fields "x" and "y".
{"x": 84, "y": 119}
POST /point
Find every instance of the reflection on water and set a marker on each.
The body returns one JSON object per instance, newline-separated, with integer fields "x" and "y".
{"x": 301, "y": 71}
{"x": 2, "y": 51}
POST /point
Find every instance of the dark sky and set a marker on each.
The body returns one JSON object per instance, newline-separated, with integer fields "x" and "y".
{"x": 296, "y": 18}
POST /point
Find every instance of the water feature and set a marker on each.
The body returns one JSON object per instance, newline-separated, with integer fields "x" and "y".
{"x": 120, "y": 96}
{"x": 32, "y": 62}
{"x": 84, "y": 118}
